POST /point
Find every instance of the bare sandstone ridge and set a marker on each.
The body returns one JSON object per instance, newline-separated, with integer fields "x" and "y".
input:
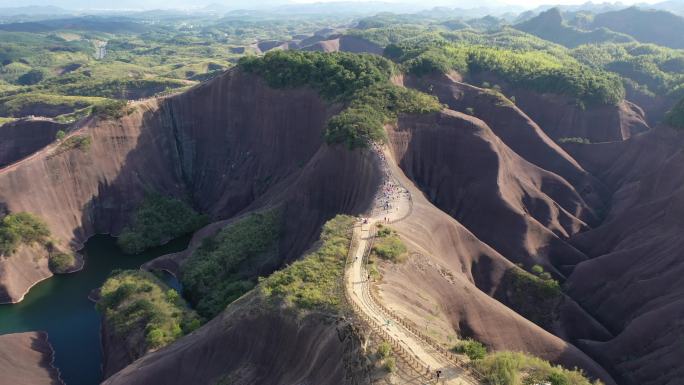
{"x": 344, "y": 43}
{"x": 633, "y": 281}
{"x": 470, "y": 174}
{"x": 490, "y": 189}
{"x": 464, "y": 279}
{"x": 561, "y": 117}
{"x": 251, "y": 343}
{"x": 26, "y": 359}
{"x": 515, "y": 129}
{"x": 225, "y": 144}
{"x": 26, "y": 136}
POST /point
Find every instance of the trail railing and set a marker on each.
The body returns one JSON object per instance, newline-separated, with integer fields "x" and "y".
{"x": 373, "y": 326}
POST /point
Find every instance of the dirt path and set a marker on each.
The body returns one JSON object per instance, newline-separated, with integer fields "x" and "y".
{"x": 393, "y": 204}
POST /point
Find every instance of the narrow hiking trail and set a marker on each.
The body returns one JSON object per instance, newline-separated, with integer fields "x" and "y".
{"x": 392, "y": 204}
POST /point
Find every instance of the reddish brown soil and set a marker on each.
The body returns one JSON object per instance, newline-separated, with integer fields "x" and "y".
{"x": 345, "y": 44}
{"x": 251, "y": 343}
{"x": 26, "y": 359}
{"x": 490, "y": 190}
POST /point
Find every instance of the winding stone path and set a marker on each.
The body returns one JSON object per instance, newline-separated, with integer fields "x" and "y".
{"x": 393, "y": 204}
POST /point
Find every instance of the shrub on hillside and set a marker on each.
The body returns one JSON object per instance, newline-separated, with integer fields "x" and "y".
{"x": 212, "y": 276}
{"x": 355, "y": 127}
{"x": 475, "y": 350}
{"x": 315, "y": 281}
{"x": 77, "y": 142}
{"x": 136, "y": 299}
{"x": 388, "y": 246}
{"x": 158, "y": 220}
{"x": 675, "y": 117}
{"x": 21, "y": 228}
{"x": 511, "y": 368}
{"x": 60, "y": 263}
{"x": 535, "y": 297}
{"x": 112, "y": 109}
{"x": 362, "y": 82}
{"x": 336, "y": 76}
{"x": 538, "y": 71}
{"x": 384, "y": 349}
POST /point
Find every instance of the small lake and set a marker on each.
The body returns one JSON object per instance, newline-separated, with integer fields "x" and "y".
{"x": 60, "y": 306}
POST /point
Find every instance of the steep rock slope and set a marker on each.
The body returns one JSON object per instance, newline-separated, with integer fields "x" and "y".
{"x": 224, "y": 144}
{"x": 561, "y": 116}
{"x": 250, "y": 344}
{"x": 515, "y": 129}
{"x": 26, "y": 359}
{"x": 344, "y": 43}
{"x": 473, "y": 176}
{"x": 633, "y": 281}
{"x": 454, "y": 282}
{"x": 21, "y": 138}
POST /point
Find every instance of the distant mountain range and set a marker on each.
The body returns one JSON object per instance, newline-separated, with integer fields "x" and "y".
{"x": 549, "y": 25}
{"x": 629, "y": 24}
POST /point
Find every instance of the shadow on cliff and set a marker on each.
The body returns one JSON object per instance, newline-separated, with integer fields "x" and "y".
{"x": 231, "y": 146}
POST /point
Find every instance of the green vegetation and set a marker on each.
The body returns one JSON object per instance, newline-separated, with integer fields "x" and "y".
{"x": 645, "y": 68}
{"x": 135, "y": 299}
{"x": 21, "y": 229}
{"x": 145, "y": 56}
{"x": 213, "y": 276}
{"x": 534, "y": 296}
{"x": 78, "y": 142}
{"x": 675, "y": 117}
{"x": 336, "y": 76}
{"x": 6, "y": 120}
{"x": 384, "y": 349}
{"x": 60, "y": 263}
{"x": 362, "y": 82}
{"x": 388, "y": 246}
{"x": 112, "y": 109}
{"x": 36, "y": 103}
{"x": 513, "y": 368}
{"x": 315, "y": 281}
{"x": 390, "y": 364}
{"x": 475, "y": 350}
{"x": 158, "y": 220}
{"x": 538, "y": 71}
{"x": 385, "y": 357}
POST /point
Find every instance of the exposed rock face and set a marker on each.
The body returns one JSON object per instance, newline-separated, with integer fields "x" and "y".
{"x": 225, "y": 144}
{"x": 21, "y": 138}
{"x": 19, "y": 272}
{"x": 26, "y": 359}
{"x": 560, "y": 116}
{"x": 633, "y": 282}
{"x": 472, "y": 175}
{"x": 250, "y": 344}
{"x": 345, "y": 43}
{"x": 118, "y": 352}
{"x": 490, "y": 190}
{"x": 623, "y": 266}
{"x": 515, "y": 129}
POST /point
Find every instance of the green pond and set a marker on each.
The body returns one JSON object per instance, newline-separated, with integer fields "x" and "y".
{"x": 60, "y": 306}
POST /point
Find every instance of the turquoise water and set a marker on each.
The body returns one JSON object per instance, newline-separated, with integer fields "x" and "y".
{"x": 60, "y": 306}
